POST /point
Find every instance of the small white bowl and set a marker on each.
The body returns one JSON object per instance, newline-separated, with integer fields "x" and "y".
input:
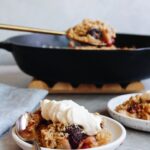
{"x": 139, "y": 124}
{"x": 117, "y": 130}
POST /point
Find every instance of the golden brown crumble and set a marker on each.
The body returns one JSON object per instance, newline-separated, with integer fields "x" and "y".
{"x": 55, "y": 135}
{"x": 51, "y": 135}
{"x": 136, "y": 107}
{"x": 92, "y": 32}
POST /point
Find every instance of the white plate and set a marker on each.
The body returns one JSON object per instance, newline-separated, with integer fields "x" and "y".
{"x": 134, "y": 123}
{"x": 117, "y": 130}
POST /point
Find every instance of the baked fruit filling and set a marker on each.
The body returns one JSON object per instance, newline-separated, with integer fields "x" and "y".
{"x": 92, "y": 32}
{"x": 137, "y": 106}
{"x": 58, "y": 125}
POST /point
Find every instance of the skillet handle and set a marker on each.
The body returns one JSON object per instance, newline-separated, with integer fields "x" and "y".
{"x": 6, "y": 45}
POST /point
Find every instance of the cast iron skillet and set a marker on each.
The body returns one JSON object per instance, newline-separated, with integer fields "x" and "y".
{"x": 48, "y": 58}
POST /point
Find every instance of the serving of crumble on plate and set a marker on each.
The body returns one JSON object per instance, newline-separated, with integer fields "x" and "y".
{"x": 132, "y": 110}
{"x": 67, "y": 125}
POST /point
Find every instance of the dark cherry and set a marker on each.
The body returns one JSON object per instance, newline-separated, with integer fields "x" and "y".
{"x": 75, "y": 135}
{"x": 95, "y": 33}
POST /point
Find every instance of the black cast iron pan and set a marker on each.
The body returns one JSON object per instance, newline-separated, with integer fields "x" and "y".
{"x": 47, "y": 57}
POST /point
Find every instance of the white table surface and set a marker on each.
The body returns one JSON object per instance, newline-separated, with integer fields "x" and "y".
{"x": 136, "y": 140}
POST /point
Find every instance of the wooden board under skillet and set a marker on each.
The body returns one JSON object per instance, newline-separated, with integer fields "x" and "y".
{"x": 65, "y": 88}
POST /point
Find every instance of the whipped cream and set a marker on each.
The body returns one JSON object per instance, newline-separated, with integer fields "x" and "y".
{"x": 146, "y": 95}
{"x": 69, "y": 112}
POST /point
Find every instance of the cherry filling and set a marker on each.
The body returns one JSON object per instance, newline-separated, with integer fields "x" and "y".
{"x": 110, "y": 42}
{"x": 75, "y": 135}
{"x": 97, "y": 34}
{"x": 135, "y": 107}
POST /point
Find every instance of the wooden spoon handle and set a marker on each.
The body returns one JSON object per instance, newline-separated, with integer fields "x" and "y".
{"x": 29, "y": 29}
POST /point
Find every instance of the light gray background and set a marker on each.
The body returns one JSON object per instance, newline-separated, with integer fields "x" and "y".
{"x": 128, "y": 16}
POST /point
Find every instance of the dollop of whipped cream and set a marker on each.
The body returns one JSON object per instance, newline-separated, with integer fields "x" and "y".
{"x": 146, "y": 95}
{"x": 69, "y": 112}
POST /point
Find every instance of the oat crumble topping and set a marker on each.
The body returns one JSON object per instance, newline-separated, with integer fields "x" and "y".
{"x": 60, "y": 136}
{"x": 92, "y": 32}
{"x": 136, "y": 107}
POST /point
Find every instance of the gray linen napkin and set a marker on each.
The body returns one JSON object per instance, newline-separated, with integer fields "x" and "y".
{"x": 16, "y": 101}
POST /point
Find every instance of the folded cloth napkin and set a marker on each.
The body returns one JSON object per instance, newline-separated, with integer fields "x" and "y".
{"x": 16, "y": 101}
